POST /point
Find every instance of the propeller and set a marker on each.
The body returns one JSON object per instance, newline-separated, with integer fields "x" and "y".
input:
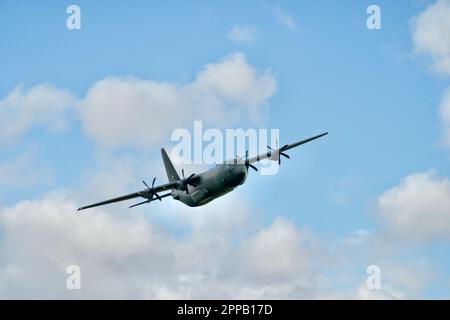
{"x": 247, "y": 162}
{"x": 187, "y": 181}
{"x": 280, "y": 152}
{"x": 150, "y": 192}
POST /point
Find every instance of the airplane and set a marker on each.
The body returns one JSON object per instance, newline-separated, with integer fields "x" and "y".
{"x": 200, "y": 189}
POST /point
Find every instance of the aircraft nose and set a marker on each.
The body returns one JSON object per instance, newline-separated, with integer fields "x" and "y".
{"x": 241, "y": 175}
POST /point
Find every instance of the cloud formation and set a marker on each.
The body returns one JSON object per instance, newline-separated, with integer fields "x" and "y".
{"x": 224, "y": 253}
{"x": 258, "y": 252}
{"x": 284, "y": 18}
{"x": 120, "y": 111}
{"x": 23, "y": 171}
{"x": 431, "y": 37}
{"x": 431, "y": 34}
{"x": 418, "y": 208}
{"x": 128, "y": 256}
{"x": 42, "y": 106}
{"x": 127, "y": 111}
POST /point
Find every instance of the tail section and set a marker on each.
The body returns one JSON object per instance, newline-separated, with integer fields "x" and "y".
{"x": 172, "y": 174}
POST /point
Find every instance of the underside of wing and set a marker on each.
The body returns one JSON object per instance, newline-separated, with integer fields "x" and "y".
{"x": 296, "y": 144}
{"x": 275, "y": 154}
{"x": 146, "y": 193}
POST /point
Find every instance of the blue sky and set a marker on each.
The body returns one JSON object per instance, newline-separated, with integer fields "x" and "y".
{"x": 376, "y": 96}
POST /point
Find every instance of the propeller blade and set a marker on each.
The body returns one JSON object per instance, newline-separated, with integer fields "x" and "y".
{"x": 285, "y": 155}
{"x": 143, "y": 181}
{"x": 138, "y": 204}
{"x": 247, "y": 162}
{"x": 152, "y": 194}
{"x": 187, "y": 181}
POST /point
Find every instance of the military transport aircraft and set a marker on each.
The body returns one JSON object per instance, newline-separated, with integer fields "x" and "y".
{"x": 199, "y": 189}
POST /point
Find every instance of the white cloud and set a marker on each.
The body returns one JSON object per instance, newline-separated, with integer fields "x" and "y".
{"x": 130, "y": 253}
{"x": 244, "y": 34}
{"x": 410, "y": 276}
{"x": 431, "y": 34}
{"x": 363, "y": 293}
{"x": 121, "y": 111}
{"x": 279, "y": 261}
{"x": 284, "y": 18}
{"x": 222, "y": 251}
{"x": 225, "y": 253}
{"x": 41, "y": 106}
{"x": 52, "y": 235}
{"x": 418, "y": 208}
{"x": 281, "y": 240}
{"x": 128, "y": 256}
{"x": 23, "y": 171}
{"x": 126, "y": 111}
{"x": 404, "y": 274}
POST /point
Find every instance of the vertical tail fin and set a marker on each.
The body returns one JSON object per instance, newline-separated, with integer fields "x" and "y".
{"x": 172, "y": 174}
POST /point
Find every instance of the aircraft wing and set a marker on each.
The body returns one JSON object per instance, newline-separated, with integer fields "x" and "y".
{"x": 274, "y": 154}
{"x": 146, "y": 193}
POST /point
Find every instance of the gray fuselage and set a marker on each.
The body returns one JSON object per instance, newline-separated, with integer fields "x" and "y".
{"x": 212, "y": 184}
